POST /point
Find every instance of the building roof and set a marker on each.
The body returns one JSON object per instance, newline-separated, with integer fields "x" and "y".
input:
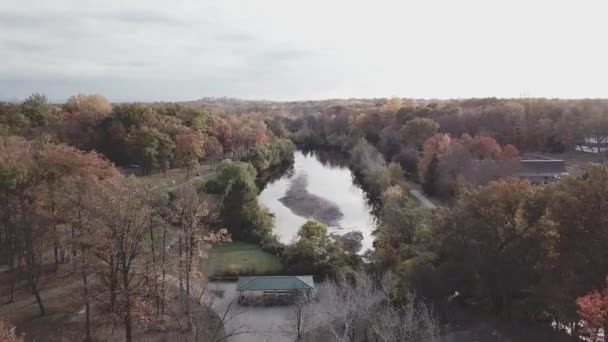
{"x": 275, "y": 283}
{"x": 540, "y": 167}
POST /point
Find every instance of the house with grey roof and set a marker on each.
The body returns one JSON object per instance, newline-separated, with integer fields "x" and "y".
{"x": 542, "y": 171}
{"x": 275, "y": 290}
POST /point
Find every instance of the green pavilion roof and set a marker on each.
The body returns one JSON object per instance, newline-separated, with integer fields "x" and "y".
{"x": 280, "y": 283}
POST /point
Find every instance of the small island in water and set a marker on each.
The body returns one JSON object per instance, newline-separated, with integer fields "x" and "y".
{"x": 303, "y": 203}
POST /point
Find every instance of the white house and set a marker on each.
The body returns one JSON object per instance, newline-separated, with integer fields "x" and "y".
{"x": 595, "y": 144}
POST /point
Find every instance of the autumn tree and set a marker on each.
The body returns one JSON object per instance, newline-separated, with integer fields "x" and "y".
{"x": 12, "y": 120}
{"x": 222, "y": 130}
{"x": 24, "y": 220}
{"x": 79, "y": 195}
{"x": 146, "y": 144}
{"x": 123, "y": 212}
{"x": 415, "y": 132}
{"x": 189, "y": 149}
{"x": 408, "y": 159}
{"x": 575, "y": 206}
{"x": 242, "y": 215}
{"x": 491, "y": 233}
{"x": 400, "y": 216}
{"x": 314, "y": 252}
{"x": 71, "y": 181}
{"x": 484, "y": 147}
{"x": 93, "y": 107}
{"x": 190, "y": 215}
{"x": 61, "y": 164}
{"x": 36, "y": 109}
{"x": 434, "y": 148}
{"x": 215, "y": 150}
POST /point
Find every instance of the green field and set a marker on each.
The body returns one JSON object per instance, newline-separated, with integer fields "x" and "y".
{"x": 240, "y": 258}
{"x": 175, "y": 177}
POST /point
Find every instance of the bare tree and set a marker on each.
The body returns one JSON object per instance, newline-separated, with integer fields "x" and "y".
{"x": 203, "y": 316}
{"x": 412, "y": 321}
{"x": 302, "y": 319}
{"x": 78, "y": 195}
{"x": 349, "y": 304}
{"x": 358, "y": 303}
{"x": 189, "y": 215}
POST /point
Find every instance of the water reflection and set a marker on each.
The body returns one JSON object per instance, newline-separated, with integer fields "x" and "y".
{"x": 330, "y": 183}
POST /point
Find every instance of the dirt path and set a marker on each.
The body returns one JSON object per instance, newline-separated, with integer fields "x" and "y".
{"x": 423, "y": 200}
{"x": 427, "y": 202}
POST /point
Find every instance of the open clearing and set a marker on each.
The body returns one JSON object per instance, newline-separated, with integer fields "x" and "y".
{"x": 241, "y": 257}
{"x": 175, "y": 177}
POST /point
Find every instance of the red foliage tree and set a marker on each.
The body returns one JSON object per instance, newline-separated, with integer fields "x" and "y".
{"x": 593, "y": 309}
{"x": 510, "y": 152}
{"x": 484, "y": 147}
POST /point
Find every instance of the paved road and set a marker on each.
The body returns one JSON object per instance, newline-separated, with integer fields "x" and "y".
{"x": 425, "y": 201}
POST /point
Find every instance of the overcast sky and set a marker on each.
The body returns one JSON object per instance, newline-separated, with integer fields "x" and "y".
{"x": 307, "y": 49}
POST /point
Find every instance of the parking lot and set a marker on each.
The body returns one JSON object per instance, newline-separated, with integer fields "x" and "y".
{"x": 254, "y": 323}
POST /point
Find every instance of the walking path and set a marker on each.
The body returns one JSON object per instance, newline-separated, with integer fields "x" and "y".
{"x": 423, "y": 200}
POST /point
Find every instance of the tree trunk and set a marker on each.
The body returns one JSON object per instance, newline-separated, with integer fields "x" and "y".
{"x": 56, "y": 249}
{"x": 162, "y": 285}
{"x": 127, "y": 319}
{"x": 87, "y": 307}
{"x": 11, "y": 243}
{"x": 55, "y": 233}
{"x": 38, "y": 299}
{"x": 181, "y": 268}
{"x": 128, "y": 332}
{"x": 113, "y": 282}
{"x": 156, "y": 294}
{"x": 190, "y": 252}
{"x": 13, "y": 274}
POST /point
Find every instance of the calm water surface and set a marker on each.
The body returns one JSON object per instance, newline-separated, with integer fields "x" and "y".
{"x": 327, "y": 178}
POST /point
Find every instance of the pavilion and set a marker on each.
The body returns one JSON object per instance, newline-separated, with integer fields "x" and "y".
{"x": 275, "y": 290}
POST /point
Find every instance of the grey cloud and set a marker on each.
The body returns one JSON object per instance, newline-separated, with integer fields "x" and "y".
{"x": 23, "y": 46}
{"x": 236, "y": 37}
{"x": 140, "y": 16}
{"x": 41, "y": 19}
{"x": 285, "y": 54}
{"x": 30, "y": 20}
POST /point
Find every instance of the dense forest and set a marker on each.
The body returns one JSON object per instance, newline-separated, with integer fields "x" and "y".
{"x": 500, "y": 247}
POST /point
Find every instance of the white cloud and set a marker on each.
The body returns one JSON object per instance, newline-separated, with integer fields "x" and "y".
{"x": 278, "y": 49}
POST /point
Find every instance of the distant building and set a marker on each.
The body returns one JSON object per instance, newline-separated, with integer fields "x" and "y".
{"x": 542, "y": 171}
{"x": 597, "y": 144}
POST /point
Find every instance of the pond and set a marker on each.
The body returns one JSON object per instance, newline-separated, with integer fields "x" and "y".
{"x": 320, "y": 186}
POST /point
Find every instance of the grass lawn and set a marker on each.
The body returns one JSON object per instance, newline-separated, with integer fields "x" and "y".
{"x": 175, "y": 177}
{"x": 238, "y": 257}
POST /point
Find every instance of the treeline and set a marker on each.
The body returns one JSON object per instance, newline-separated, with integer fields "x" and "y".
{"x": 549, "y": 125}
{"x": 445, "y": 144}
{"x": 134, "y": 252}
{"x": 151, "y": 136}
